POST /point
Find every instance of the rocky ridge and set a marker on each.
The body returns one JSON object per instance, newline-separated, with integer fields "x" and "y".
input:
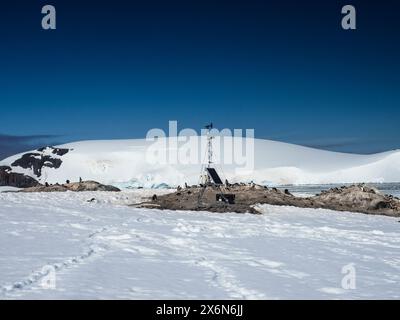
{"x": 356, "y": 198}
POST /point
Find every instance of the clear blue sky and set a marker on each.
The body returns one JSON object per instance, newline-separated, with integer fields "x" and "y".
{"x": 115, "y": 69}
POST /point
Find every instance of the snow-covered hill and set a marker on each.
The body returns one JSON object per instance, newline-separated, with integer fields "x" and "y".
{"x": 125, "y": 163}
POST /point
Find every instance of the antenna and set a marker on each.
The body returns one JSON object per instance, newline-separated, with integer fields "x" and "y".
{"x": 209, "y": 173}
{"x": 209, "y": 176}
{"x": 209, "y": 144}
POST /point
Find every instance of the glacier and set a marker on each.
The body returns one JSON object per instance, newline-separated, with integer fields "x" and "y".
{"x": 124, "y": 163}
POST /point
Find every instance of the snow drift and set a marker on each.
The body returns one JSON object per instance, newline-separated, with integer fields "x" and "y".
{"x": 125, "y": 163}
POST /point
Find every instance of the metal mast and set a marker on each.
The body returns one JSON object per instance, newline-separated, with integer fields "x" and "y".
{"x": 209, "y": 176}
{"x": 209, "y": 144}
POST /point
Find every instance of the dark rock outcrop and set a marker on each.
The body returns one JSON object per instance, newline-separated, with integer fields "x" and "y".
{"x": 58, "y": 151}
{"x": 36, "y": 161}
{"x": 18, "y": 180}
{"x": 356, "y": 198}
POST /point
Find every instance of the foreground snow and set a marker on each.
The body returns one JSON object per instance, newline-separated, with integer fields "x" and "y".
{"x": 125, "y": 163}
{"x": 104, "y": 249}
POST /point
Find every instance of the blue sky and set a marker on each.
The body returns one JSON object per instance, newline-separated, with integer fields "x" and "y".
{"x": 116, "y": 69}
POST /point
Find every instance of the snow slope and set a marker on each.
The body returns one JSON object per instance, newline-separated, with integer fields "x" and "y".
{"x": 124, "y": 163}
{"x": 104, "y": 249}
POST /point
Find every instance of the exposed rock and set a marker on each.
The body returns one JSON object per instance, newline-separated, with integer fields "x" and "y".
{"x": 58, "y": 151}
{"x": 36, "y": 162}
{"x": 360, "y": 198}
{"x": 44, "y": 157}
{"x": 356, "y": 198}
{"x": 18, "y": 180}
{"x": 5, "y": 168}
{"x": 76, "y": 186}
{"x": 90, "y": 186}
{"x": 50, "y": 188}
